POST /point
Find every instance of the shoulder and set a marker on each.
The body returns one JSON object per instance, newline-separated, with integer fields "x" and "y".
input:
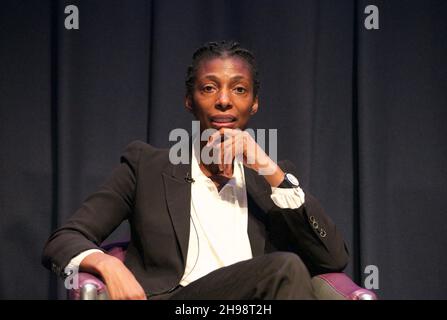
{"x": 141, "y": 146}
{"x": 138, "y": 150}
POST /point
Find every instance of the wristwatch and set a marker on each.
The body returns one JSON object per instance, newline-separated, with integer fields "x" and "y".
{"x": 290, "y": 181}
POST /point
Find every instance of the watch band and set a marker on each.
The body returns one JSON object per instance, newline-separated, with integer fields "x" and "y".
{"x": 290, "y": 181}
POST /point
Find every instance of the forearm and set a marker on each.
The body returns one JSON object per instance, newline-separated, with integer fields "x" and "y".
{"x": 63, "y": 245}
{"x": 276, "y": 177}
{"x": 312, "y": 235}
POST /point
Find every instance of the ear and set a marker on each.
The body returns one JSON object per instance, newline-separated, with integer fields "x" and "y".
{"x": 254, "y": 107}
{"x": 188, "y": 103}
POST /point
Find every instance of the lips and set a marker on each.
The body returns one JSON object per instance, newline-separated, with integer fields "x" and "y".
{"x": 223, "y": 121}
{"x": 223, "y": 118}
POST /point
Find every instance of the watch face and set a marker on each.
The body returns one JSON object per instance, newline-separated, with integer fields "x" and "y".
{"x": 292, "y": 179}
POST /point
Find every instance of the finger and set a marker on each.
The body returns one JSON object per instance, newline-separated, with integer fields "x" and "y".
{"x": 218, "y": 156}
{"x": 229, "y": 148}
{"x": 223, "y": 156}
{"x": 232, "y": 148}
{"x": 215, "y": 138}
{"x": 211, "y": 138}
{"x": 237, "y": 145}
{"x": 227, "y": 156}
{"x": 221, "y": 135}
{"x": 142, "y": 296}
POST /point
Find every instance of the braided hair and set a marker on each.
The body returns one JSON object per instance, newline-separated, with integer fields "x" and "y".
{"x": 222, "y": 49}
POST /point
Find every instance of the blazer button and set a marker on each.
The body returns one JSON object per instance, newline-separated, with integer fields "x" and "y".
{"x": 322, "y": 233}
{"x": 314, "y": 222}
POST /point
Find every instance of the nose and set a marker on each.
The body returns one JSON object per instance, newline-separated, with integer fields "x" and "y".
{"x": 223, "y": 102}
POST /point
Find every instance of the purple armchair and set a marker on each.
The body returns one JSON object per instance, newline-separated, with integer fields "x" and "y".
{"x": 329, "y": 286}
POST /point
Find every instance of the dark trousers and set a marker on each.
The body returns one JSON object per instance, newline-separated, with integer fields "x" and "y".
{"x": 278, "y": 275}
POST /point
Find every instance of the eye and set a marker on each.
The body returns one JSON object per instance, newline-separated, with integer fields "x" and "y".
{"x": 208, "y": 88}
{"x": 240, "y": 90}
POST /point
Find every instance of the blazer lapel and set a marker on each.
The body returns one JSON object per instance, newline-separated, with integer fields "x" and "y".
{"x": 178, "y": 199}
{"x": 259, "y": 202}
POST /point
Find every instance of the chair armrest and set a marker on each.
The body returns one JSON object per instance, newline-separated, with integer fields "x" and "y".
{"x": 338, "y": 286}
{"x": 90, "y": 288}
{"x": 117, "y": 249}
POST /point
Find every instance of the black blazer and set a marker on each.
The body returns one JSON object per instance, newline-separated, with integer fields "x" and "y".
{"x": 153, "y": 195}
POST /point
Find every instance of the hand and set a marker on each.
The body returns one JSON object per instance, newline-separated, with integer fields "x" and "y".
{"x": 241, "y": 143}
{"x": 121, "y": 283}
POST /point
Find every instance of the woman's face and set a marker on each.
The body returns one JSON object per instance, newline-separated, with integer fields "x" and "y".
{"x": 223, "y": 95}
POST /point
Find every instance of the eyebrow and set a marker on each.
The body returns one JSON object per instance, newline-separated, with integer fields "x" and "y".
{"x": 234, "y": 78}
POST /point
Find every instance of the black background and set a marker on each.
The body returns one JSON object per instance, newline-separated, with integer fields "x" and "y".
{"x": 362, "y": 114}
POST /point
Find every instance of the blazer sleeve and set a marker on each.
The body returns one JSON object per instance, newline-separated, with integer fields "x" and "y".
{"x": 309, "y": 232}
{"x": 100, "y": 214}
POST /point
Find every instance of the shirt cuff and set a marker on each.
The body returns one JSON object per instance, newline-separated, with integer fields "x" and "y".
{"x": 288, "y": 198}
{"x": 76, "y": 261}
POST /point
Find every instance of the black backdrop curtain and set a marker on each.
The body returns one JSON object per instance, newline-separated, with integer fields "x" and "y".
{"x": 360, "y": 112}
